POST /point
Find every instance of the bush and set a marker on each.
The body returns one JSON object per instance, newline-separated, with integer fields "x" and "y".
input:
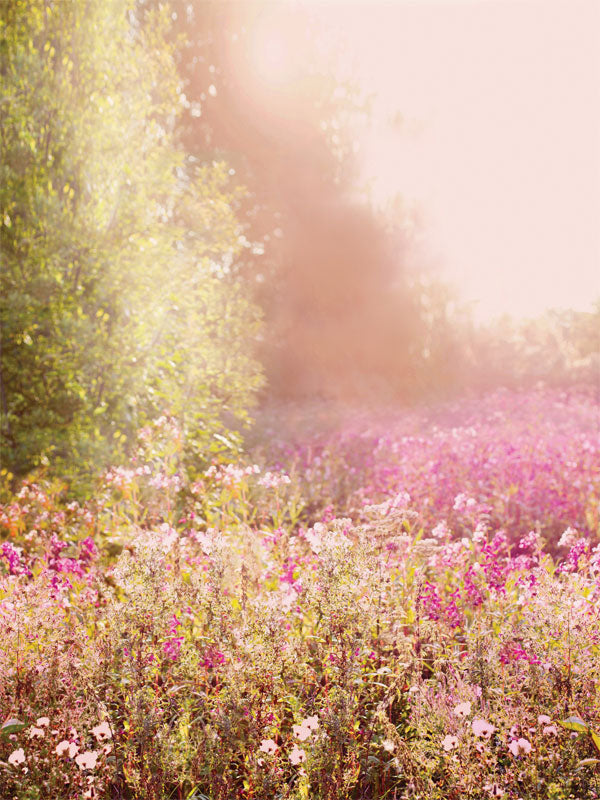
{"x": 113, "y": 243}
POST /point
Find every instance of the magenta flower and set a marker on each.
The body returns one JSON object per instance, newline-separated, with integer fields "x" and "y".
{"x": 172, "y": 647}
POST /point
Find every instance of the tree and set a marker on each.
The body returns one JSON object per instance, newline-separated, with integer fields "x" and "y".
{"x": 113, "y": 243}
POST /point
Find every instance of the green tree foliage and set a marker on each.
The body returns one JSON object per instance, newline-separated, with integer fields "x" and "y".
{"x": 115, "y": 245}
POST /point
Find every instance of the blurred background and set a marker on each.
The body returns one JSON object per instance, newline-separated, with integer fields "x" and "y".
{"x": 423, "y": 186}
{"x": 206, "y": 204}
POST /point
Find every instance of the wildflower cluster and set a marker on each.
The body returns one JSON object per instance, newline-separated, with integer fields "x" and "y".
{"x": 233, "y": 645}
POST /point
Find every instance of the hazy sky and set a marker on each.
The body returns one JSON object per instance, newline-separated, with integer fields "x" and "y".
{"x": 499, "y": 141}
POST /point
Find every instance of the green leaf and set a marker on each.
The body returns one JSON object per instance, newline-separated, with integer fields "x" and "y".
{"x": 12, "y": 726}
{"x": 596, "y": 740}
{"x": 574, "y": 724}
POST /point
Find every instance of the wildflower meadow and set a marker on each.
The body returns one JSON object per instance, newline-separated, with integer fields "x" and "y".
{"x": 299, "y": 400}
{"x": 399, "y": 607}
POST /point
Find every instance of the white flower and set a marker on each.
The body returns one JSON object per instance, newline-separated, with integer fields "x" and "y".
{"x": 550, "y": 729}
{"x": 440, "y": 531}
{"x": 482, "y": 728}
{"x": 568, "y": 538}
{"x": 17, "y": 757}
{"x": 297, "y": 756}
{"x": 87, "y": 760}
{"x": 518, "y": 746}
{"x": 450, "y": 742}
{"x": 70, "y": 748}
{"x": 301, "y": 731}
{"x": 102, "y": 731}
{"x": 463, "y": 709}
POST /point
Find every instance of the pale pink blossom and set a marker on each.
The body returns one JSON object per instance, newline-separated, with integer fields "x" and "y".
{"x": 271, "y": 480}
{"x": 450, "y": 742}
{"x": 482, "y": 728}
{"x": 568, "y": 538}
{"x": 70, "y": 748}
{"x": 297, "y": 756}
{"x": 302, "y": 731}
{"x": 268, "y": 746}
{"x": 388, "y": 745}
{"x": 544, "y": 719}
{"x": 16, "y": 757}
{"x": 463, "y": 709}
{"x": 102, "y": 731}
{"x": 36, "y": 733}
{"x": 548, "y": 730}
{"x": 518, "y": 746}
{"x": 43, "y": 722}
{"x": 306, "y": 727}
{"x": 440, "y": 531}
{"x": 87, "y": 760}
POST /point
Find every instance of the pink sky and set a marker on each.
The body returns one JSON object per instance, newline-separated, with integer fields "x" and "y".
{"x": 499, "y": 143}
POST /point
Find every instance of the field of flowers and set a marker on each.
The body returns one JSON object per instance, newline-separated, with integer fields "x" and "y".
{"x": 400, "y": 606}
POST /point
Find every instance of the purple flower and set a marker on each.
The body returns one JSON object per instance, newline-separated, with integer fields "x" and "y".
{"x": 16, "y": 564}
{"x": 172, "y": 647}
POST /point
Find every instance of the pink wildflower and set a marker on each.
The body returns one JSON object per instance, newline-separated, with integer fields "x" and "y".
{"x": 306, "y": 727}
{"x": 268, "y": 746}
{"x": 70, "y": 748}
{"x": 87, "y": 760}
{"x": 482, "y": 728}
{"x": 568, "y": 538}
{"x": 518, "y": 746}
{"x": 301, "y": 731}
{"x": 297, "y": 756}
{"x": 463, "y": 709}
{"x": 102, "y": 731}
{"x": 450, "y": 742}
{"x": 172, "y": 647}
{"x": 16, "y": 757}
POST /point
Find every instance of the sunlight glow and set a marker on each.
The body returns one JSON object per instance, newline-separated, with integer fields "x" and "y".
{"x": 487, "y": 119}
{"x": 272, "y": 55}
